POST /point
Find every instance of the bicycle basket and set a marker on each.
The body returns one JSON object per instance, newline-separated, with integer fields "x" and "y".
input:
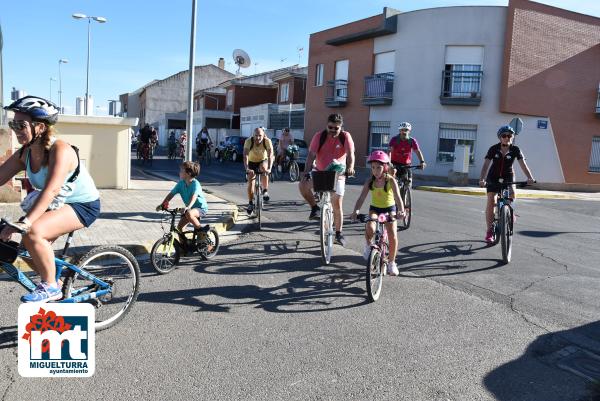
{"x": 323, "y": 180}
{"x": 8, "y": 251}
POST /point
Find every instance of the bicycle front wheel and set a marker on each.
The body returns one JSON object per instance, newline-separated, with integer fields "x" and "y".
{"x": 506, "y": 233}
{"x": 113, "y": 265}
{"x": 164, "y": 255}
{"x": 294, "y": 171}
{"x": 374, "y": 278}
{"x": 326, "y": 233}
{"x": 258, "y": 204}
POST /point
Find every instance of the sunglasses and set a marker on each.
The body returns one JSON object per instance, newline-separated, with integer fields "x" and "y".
{"x": 18, "y": 125}
{"x": 506, "y": 136}
{"x": 333, "y": 127}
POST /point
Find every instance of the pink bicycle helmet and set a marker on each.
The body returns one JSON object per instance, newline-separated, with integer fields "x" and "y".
{"x": 379, "y": 156}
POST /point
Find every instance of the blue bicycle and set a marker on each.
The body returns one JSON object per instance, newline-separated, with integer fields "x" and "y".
{"x": 107, "y": 276}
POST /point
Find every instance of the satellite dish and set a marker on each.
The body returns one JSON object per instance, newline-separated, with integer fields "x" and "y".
{"x": 241, "y": 59}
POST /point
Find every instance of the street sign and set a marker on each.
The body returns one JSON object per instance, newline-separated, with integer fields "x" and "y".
{"x": 516, "y": 124}
{"x": 542, "y": 124}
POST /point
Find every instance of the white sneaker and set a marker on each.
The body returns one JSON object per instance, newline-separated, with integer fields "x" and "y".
{"x": 367, "y": 252}
{"x": 392, "y": 269}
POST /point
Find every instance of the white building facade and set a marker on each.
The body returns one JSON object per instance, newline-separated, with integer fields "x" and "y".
{"x": 447, "y": 66}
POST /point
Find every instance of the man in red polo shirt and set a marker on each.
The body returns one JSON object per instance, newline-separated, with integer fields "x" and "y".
{"x": 325, "y": 146}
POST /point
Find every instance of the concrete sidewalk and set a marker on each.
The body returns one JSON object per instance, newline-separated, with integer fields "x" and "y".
{"x": 129, "y": 219}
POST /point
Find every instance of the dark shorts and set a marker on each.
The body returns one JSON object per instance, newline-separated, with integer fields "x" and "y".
{"x": 403, "y": 173}
{"x": 493, "y": 185}
{"x": 382, "y": 210}
{"x": 87, "y": 212}
{"x": 255, "y": 166}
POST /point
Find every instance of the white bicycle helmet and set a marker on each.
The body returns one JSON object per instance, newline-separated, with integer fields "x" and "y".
{"x": 405, "y": 125}
{"x": 39, "y": 109}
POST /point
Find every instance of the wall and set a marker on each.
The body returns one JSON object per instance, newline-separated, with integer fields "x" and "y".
{"x": 104, "y": 146}
{"x": 11, "y": 191}
{"x": 360, "y": 56}
{"x": 552, "y": 68}
{"x": 297, "y": 90}
{"x": 171, "y": 94}
{"x": 244, "y": 96}
{"x": 420, "y": 46}
{"x": 298, "y": 94}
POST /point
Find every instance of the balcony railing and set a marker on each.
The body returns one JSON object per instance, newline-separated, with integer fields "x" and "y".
{"x": 461, "y": 88}
{"x": 337, "y": 93}
{"x": 379, "y": 89}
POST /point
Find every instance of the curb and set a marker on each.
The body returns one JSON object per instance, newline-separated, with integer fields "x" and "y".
{"x": 476, "y": 192}
{"x": 225, "y": 223}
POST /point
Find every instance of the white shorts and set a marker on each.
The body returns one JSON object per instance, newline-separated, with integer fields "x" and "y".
{"x": 340, "y": 185}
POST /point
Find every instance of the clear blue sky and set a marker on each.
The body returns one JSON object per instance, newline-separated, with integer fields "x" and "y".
{"x": 145, "y": 40}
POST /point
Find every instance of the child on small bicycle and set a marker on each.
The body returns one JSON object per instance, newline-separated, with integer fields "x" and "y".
{"x": 385, "y": 198}
{"x": 190, "y": 190}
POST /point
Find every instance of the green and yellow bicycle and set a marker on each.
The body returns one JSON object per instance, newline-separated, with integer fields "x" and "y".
{"x": 168, "y": 250}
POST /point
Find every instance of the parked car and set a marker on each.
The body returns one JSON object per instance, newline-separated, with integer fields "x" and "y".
{"x": 236, "y": 143}
{"x": 302, "y": 150}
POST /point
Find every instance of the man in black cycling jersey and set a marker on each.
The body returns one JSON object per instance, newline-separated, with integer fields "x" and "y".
{"x": 501, "y": 156}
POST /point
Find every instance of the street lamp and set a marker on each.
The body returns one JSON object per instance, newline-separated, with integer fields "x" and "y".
{"x": 87, "y": 80}
{"x": 61, "y": 61}
{"x": 51, "y": 80}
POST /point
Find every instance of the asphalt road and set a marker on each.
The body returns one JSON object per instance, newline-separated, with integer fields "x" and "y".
{"x": 266, "y": 321}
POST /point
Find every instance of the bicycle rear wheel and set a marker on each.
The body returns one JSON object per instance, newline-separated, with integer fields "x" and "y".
{"x": 116, "y": 266}
{"x": 407, "y": 199}
{"x": 275, "y": 173}
{"x": 294, "y": 171}
{"x": 506, "y": 233}
{"x": 326, "y": 233}
{"x": 164, "y": 255}
{"x": 374, "y": 277}
{"x": 209, "y": 245}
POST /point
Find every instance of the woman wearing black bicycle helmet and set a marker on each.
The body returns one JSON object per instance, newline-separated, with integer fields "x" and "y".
{"x": 501, "y": 156}
{"x": 67, "y": 198}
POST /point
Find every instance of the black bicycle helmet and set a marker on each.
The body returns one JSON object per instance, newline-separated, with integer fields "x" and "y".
{"x": 39, "y": 109}
{"x": 505, "y": 129}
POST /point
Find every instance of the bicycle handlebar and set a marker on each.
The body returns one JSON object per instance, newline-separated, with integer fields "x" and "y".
{"x": 518, "y": 183}
{"x": 177, "y": 210}
{"x": 417, "y": 166}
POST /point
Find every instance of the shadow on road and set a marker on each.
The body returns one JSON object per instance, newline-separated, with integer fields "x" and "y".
{"x": 547, "y": 234}
{"x": 436, "y": 259}
{"x": 317, "y": 288}
{"x": 546, "y": 370}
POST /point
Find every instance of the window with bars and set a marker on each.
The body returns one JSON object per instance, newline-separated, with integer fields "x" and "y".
{"x": 595, "y": 156}
{"x": 451, "y": 135}
{"x": 462, "y": 80}
{"x": 379, "y": 135}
